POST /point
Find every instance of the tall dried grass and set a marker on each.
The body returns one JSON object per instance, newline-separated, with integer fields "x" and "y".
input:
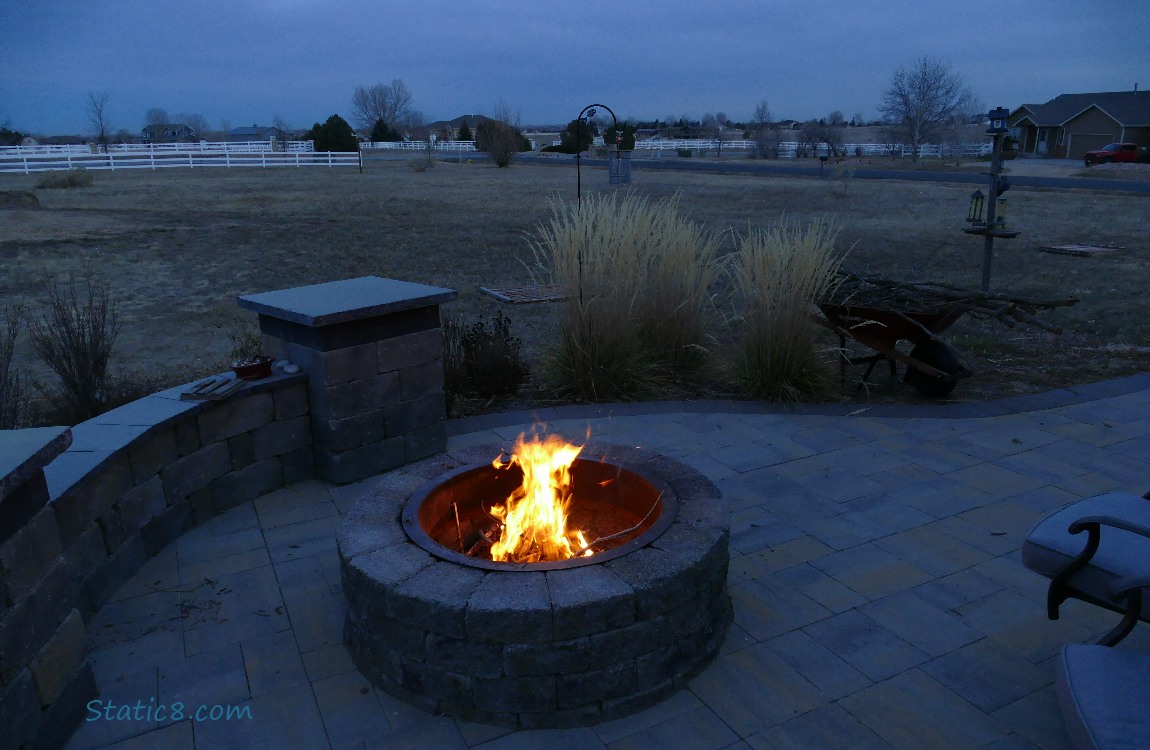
{"x": 778, "y": 274}
{"x": 640, "y": 276}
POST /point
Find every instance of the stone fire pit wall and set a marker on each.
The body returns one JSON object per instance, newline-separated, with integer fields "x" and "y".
{"x": 535, "y": 649}
{"x": 373, "y": 352}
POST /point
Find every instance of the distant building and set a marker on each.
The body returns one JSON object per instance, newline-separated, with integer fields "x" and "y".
{"x": 168, "y": 132}
{"x": 448, "y": 130}
{"x": 1069, "y": 125}
{"x": 256, "y": 133}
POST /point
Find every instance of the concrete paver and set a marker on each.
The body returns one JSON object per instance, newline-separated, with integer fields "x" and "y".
{"x": 878, "y": 593}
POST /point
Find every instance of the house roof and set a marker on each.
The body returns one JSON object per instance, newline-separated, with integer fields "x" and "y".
{"x": 471, "y": 120}
{"x": 253, "y": 130}
{"x": 1127, "y": 108}
{"x": 161, "y": 127}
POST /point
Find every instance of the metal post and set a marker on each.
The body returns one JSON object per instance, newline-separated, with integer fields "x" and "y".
{"x": 991, "y": 212}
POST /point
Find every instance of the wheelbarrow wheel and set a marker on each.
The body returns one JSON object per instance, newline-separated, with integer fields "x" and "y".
{"x": 938, "y": 356}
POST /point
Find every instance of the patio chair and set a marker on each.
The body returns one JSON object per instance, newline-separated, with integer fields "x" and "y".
{"x": 1109, "y": 568}
{"x": 1104, "y": 695}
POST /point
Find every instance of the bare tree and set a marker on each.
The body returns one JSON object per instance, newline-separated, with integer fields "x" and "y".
{"x": 762, "y": 120}
{"x": 156, "y": 116}
{"x": 922, "y": 98}
{"x": 197, "y": 123}
{"x": 381, "y": 102}
{"x": 96, "y": 107}
{"x": 500, "y": 136}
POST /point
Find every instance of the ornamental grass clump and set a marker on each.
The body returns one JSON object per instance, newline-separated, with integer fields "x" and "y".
{"x": 639, "y": 276}
{"x": 778, "y": 275}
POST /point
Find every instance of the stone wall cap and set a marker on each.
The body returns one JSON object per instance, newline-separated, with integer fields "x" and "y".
{"x": 25, "y": 452}
{"x": 343, "y": 301}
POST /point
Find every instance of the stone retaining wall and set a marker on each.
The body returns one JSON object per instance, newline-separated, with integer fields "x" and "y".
{"x": 132, "y": 481}
{"x": 83, "y": 508}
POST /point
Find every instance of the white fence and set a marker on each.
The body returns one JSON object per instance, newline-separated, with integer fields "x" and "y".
{"x": 245, "y": 147}
{"x": 455, "y": 146}
{"x": 155, "y": 159}
{"x": 792, "y": 149}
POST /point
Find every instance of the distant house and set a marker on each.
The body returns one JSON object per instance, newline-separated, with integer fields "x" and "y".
{"x": 448, "y": 130}
{"x": 1069, "y": 125}
{"x": 168, "y": 132}
{"x": 256, "y": 133}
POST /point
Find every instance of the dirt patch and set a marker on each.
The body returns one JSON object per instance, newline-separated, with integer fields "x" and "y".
{"x": 179, "y": 245}
{"x": 18, "y": 199}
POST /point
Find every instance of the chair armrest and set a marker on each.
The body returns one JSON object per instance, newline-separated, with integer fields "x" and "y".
{"x": 1125, "y": 524}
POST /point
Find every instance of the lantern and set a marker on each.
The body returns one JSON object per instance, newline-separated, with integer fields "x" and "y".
{"x": 977, "y": 199}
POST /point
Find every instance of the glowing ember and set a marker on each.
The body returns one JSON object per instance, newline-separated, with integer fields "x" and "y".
{"x": 534, "y": 518}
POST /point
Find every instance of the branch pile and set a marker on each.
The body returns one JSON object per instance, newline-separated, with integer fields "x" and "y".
{"x": 877, "y": 293}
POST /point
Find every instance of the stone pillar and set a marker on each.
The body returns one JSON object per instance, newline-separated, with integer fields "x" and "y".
{"x": 45, "y": 677}
{"x": 373, "y": 352}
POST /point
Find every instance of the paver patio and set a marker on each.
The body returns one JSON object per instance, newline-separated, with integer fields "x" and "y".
{"x": 879, "y": 598}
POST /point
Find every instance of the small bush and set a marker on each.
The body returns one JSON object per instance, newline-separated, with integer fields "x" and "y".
{"x": 11, "y": 392}
{"x": 62, "y": 180}
{"x": 639, "y": 276}
{"x": 334, "y": 135}
{"x": 778, "y": 276}
{"x": 246, "y": 339}
{"x": 420, "y": 164}
{"x": 74, "y": 337}
{"x": 481, "y": 361}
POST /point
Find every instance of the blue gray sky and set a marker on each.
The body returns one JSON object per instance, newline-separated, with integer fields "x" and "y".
{"x": 244, "y": 61}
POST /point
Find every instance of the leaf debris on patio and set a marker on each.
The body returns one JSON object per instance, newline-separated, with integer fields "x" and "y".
{"x": 525, "y": 294}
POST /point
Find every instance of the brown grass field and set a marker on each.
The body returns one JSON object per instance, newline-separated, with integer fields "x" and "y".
{"x": 178, "y": 245}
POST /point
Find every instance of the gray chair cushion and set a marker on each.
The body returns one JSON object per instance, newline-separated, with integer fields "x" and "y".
{"x": 1104, "y": 694}
{"x": 1049, "y": 546}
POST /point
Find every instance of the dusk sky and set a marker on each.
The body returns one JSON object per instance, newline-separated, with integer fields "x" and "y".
{"x": 245, "y": 61}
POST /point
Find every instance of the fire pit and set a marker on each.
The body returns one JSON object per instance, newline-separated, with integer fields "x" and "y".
{"x": 635, "y": 605}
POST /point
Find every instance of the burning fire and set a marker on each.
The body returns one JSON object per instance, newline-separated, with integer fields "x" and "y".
{"x": 534, "y": 518}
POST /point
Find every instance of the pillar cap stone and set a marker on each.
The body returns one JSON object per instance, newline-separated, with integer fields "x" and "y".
{"x": 26, "y": 452}
{"x": 336, "y": 302}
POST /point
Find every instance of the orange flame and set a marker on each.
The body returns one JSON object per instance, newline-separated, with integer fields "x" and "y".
{"x": 534, "y": 517}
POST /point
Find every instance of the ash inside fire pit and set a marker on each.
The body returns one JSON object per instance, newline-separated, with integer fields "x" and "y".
{"x": 551, "y": 644}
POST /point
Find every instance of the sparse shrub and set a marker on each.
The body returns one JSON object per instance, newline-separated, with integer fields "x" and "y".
{"x": 639, "y": 277}
{"x": 64, "y": 179}
{"x": 74, "y": 337}
{"x": 480, "y": 360}
{"x": 420, "y": 164}
{"x": 778, "y": 275}
{"x": 501, "y": 140}
{"x": 11, "y": 391}
{"x": 246, "y": 340}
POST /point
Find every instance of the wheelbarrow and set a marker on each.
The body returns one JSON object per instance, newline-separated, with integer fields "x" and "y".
{"x": 933, "y": 367}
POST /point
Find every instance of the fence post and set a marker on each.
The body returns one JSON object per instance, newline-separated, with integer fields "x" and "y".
{"x": 111, "y": 161}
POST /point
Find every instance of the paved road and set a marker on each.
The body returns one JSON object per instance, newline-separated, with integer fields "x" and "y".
{"x": 776, "y": 168}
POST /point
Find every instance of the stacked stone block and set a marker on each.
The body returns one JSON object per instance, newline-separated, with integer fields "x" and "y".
{"x": 45, "y": 679}
{"x": 530, "y": 649}
{"x": 373, "y": 352}
{"x": 76, "y": 523}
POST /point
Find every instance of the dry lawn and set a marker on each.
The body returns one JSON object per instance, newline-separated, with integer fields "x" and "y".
{"x": 177, "y": 246}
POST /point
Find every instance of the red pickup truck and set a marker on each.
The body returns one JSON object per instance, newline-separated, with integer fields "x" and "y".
{"x": 1118, "y": 152}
